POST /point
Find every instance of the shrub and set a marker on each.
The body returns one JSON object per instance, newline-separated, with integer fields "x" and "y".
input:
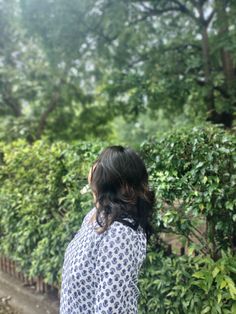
{"x": 40, "y": 202}
{"x": 187, "y": 284}
{"x": 193, "y": 172}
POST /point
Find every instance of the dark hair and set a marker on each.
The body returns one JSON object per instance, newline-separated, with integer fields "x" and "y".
{"x": 119, "y": 180}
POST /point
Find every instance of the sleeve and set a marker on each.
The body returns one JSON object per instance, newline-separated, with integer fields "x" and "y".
{"x": 116, "y": 271}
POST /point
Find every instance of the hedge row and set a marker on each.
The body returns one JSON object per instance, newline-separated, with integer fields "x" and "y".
{"x": 195, "y": 169}
{"x": 193, "y": 174}
{"x": 40, "y": 202}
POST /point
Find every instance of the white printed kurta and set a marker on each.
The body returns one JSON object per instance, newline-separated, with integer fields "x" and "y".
{"x": 100, "y": 272}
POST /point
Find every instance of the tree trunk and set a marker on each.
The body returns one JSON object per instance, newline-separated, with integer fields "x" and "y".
{"x": 225, "y": 117}
{"x": 211, "y": 233}
{"x": 43, "y": 119}
{"x": 226, "y": 58}
{"x": 209, "y": 98}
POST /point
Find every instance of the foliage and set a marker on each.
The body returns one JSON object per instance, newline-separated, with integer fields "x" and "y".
{"x": 40, "y": 203}
{"x": 187, "y": 284}
{"x": 193, "y": 172}
{"x": 40, "y": 98}
{"x": 66, "y": 71}
{"x": 146, "y": 54}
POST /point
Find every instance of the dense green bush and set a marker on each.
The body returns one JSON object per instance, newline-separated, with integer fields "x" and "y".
{"x": 187, "y": 284}
{"x": 193, "y": 174}
{"x": 40, "y": 202}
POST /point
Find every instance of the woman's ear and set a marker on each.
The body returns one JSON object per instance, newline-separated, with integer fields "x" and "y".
{"x": 90, "y": 172}
{"x": 89, "y": 175}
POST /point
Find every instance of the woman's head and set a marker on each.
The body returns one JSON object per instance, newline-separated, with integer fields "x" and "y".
{"x": 119, "y": 182}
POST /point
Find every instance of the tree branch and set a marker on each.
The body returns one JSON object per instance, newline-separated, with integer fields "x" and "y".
{"x": 156, "y": 11}
{"x": 204, "y": 249}
{"x": 177, "y": 7}
{"x": 183, "y": 8}
{"x": 210, "y": 17}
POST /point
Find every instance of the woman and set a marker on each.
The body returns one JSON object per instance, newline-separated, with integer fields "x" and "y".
{"x": 102, "y": 262}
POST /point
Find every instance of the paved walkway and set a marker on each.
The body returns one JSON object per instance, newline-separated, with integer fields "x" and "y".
{"x": 24, "y": 299}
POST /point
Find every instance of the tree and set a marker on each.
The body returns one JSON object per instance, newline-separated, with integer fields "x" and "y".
{"x": 158, "y": 54}
{"x": 39, "y": 97}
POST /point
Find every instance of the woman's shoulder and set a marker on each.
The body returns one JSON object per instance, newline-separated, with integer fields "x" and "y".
{"x": 126, "y": 226}
{"x": 88, "y": 216}
{"x": 119, "y": 231}
{"x": 122, "y": 238}
{"x": 117, "y": 228}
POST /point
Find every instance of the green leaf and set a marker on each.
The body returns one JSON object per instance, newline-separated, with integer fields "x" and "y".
{"x": 223, "y": 284}
{"x": 215, "y": 272}
{"x": 199, "y": 274}
{"x": 219, "y": 297}
{"x": 233, "y": 308}
{"x": 206, "y": 310}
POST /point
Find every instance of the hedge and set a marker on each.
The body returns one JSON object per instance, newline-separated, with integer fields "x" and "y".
{"x": 40, "y": 202}
{"x": 193, "y": 173}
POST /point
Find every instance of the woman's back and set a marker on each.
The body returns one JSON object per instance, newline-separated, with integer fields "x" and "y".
{"x": 100, "y": 271}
